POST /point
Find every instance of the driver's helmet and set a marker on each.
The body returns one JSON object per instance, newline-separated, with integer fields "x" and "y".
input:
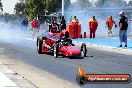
{"x": 66, "y": 37}
{"x": 54, "y": 22}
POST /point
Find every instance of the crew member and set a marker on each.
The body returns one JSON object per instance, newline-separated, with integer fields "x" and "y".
{"x": 35, "y": 26}
{"x": 63, "y": 23}
{"x": 109, "y": 24}
{"x": 93, "y": 24}
{"x": 75, "y": 27}
{"x": 123, "y": 25}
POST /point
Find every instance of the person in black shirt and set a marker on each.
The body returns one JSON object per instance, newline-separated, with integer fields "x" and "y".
{"x": 123, "y": 25}
{"x": 63, "y": 23}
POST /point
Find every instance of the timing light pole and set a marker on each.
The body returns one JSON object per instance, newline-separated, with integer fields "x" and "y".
{"x": 62, "y": 7}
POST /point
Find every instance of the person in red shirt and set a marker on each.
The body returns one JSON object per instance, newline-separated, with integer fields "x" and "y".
{"x": 109, "y": 24}
{"x": 93, "y": 24}
{"x": 35, "y": 26}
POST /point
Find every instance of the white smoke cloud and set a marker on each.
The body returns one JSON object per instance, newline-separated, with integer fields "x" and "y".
{"x": 127, "y": 1}
{"x": 100, "y": 13}
{"x": 93, "y": 2}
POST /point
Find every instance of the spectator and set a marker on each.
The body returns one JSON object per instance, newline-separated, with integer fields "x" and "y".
{"x": 24, "y": 24}
{"x": 123, "y": 25}
{"x": 35, "y": 26}
{"x": 109, "y": 24}
{"x": 93, "y": 24}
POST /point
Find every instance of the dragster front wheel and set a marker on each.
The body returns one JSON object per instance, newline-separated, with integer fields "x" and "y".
{"x": 83, "y": 50}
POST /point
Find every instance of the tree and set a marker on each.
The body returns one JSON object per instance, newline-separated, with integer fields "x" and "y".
{"x": 38, "y": 7}
{"x": 130, "y": 3}
{"x": 1, "y": 6}
{"x": 98, "y": 3}
{"x": 34, "y": 8}
{"x": 22, "y": 1}
{"x": 7, "y": 16}
{"x": 20, "y": 8}
{"x": 67, "y": 4}
{"x": 83, "y": 4}
{"x": 109, "y": 3}
{"x": 53, "y": 5}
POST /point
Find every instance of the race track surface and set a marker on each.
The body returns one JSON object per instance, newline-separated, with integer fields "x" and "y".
{"x": 23, "y": 47}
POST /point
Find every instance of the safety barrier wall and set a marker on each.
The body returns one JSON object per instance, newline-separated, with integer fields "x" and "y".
{"x": 71, "y": 30}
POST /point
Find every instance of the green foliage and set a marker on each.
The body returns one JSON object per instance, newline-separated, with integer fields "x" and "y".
{"x": 1, "y": 6}
{"x": 8, "y": 16}
{"x": 38, "y": 7}
{"x": 20, "y": 8}
{"x": 83, "y": 4}
{"x": 67, "y": 3}
{"x": 130, "y": 3}
{"x": 34, "y": 8}
{"x": 53, "y": 5}
{"x": 100, "y": 3}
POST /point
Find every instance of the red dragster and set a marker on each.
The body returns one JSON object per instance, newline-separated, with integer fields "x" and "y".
{"x": 59, "y": 45}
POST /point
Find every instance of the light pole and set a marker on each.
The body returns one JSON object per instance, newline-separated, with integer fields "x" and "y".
{"x": 62, "y": 7}
{"x": 45, "y": 12}
{"x": 45, "y": 19}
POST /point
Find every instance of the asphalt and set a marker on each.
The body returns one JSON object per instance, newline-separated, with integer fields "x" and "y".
{"x": 103, "y": 62}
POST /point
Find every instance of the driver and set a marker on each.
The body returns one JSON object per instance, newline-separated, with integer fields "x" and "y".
{"x": 67, "y": 38}
{"x": 54, "y": 27}
{"x": 55, "y": 24}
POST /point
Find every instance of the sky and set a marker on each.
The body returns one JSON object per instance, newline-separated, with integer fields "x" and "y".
{"x": 8, "y": 5}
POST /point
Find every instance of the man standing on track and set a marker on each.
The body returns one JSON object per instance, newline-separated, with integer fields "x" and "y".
{"x": 109, "y": 24}
{"x": 123, "y": 25}
{"x": 93, "y": 24}
{"x": 75, "y": 27}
